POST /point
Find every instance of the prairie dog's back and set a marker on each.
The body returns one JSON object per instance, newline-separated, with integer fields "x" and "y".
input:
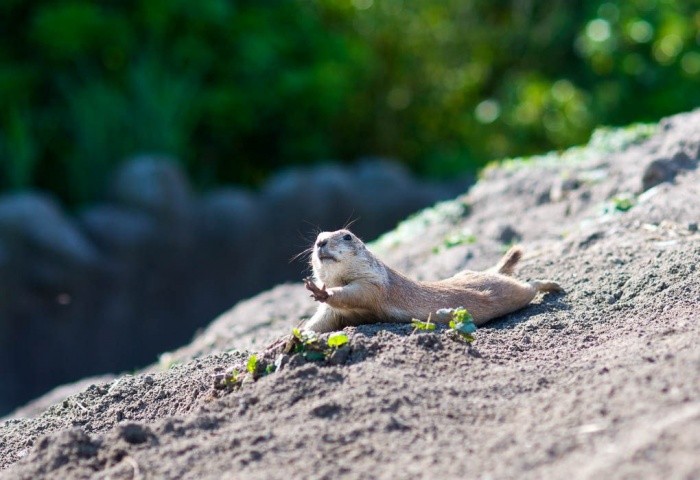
{"x": 485, "y": 295}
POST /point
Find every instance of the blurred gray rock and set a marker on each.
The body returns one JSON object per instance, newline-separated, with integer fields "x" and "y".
{"x": 665, "y": 169}
{"x": 35, "y": 221}
{"x": 153, "y": 184}
{"x": 676, "y": 150}
{"x": 228, "y": 213}
{"x": 115, "y": 229}
{"x": 232, "y": 242}
{"x": 504, "y": 233}
{"x": 157, "y": 186}
{"x": 307, "y": 195}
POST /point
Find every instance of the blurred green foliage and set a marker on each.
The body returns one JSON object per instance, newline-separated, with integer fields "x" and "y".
{"x": 235, "y": 89}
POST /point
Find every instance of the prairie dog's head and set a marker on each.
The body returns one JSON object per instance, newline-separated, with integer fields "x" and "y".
{"x": 338, "y": 257}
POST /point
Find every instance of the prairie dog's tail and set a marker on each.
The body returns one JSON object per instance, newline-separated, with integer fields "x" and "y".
{"x": 545, "y": 286}
{"x": 506, "y": 265}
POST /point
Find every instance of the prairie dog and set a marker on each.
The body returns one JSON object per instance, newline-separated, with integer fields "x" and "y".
{"x": 357, "y": 288}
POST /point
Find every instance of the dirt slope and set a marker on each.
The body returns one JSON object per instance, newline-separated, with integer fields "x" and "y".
{"x": 600, "y": 382}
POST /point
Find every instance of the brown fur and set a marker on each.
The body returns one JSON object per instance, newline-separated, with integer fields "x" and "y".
{"x": 357, "y": 288}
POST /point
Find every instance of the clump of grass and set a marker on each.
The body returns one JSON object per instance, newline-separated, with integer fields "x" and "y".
{"x": 620, "y": 203}
{"x": 454, "y": 240}
{"x": 254, "y": 368}
{"x": 462, "y": 324}
{"x": 460, "y": 321}
{"x": 229, "y": 380}
{"x": 306, "y": 344}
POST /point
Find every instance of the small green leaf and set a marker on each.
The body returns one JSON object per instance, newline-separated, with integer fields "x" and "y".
{"x": 465, "y": 327}
{"x": 461, "y": 315}
{"x": 622, "y": 203}
{"x": 337, "y": 339}
{"x": 232, "y": 379}
{"x": 270, "y": 369}
{"x": 297, "y": 333}
{"x": 420, "y": 325}
{"x": 252, "y": 364}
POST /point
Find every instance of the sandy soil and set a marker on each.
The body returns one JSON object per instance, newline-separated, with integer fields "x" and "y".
{"x": 600, "y": 382}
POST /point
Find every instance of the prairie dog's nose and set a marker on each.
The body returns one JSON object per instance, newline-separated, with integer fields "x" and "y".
{"x": 322, "y": 243}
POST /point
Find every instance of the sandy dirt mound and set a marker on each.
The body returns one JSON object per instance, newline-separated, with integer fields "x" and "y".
{"x": 600, "y": 382}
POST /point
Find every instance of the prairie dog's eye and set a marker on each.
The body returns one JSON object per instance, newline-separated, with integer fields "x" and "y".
{"x": 347, "y": 237}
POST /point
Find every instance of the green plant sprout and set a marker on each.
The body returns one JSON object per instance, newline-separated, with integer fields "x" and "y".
{"x": 307, "y": 345}
{"x": 619, "y": 203}
{"x": 252, "y": 364}
{"x": 427, "y": 326}
{"x": 622, "y": 203}
{"x": 337, "y": 339}
{"x": 463, "y": 324}
{"x": 233, "y": 379}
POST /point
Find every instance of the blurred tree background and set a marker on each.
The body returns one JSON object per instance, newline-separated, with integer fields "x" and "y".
{"x": 236, "y": 89}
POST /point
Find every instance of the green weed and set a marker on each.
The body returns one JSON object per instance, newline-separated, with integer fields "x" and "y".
{"x": 454, "y": 240}
{"x": 622, "y": 203}
{"x": 307, "y": 345}
{"x": 619, "y": 203}
{"x": 231, "y": 380}
{"x": 337, "y": 339}
{"x": 426, "y": 326}
{"x": 252, "y": 364}
{"x": 462, "y": 324}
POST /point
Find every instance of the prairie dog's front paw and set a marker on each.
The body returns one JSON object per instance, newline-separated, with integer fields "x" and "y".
{"x": 318, "y": 294}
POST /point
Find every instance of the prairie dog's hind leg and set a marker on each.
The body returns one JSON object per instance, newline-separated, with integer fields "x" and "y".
{"x": 546, "y": 286}
{"x": 505, "y": 266}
